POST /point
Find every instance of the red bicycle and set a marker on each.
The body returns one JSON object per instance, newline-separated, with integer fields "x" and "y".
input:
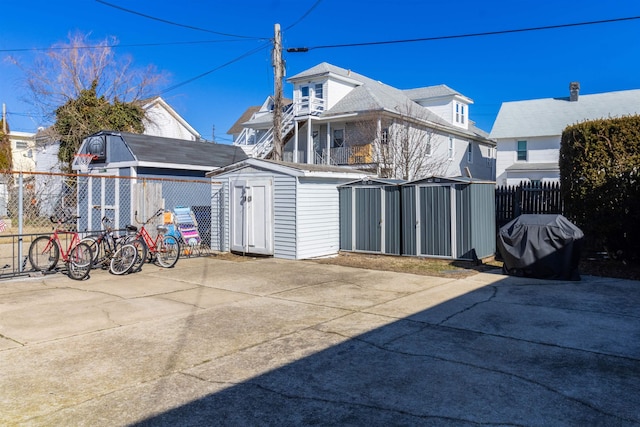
{"x": 165, "y": 248}
{"x": 45, "y": 251}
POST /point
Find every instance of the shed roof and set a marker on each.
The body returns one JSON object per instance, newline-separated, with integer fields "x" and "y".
{"x": 550, "y": 116}
{"x": 172, "y": 151}
{"x": 447, "y": 180}
{"x": 293, "y": 169}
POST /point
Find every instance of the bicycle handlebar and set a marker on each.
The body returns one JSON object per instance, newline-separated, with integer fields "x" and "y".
{"x": 158, "y": 213}
{"x": 55, "y": 220}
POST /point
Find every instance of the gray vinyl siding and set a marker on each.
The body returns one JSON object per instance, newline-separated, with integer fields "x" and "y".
{"x": 284, "y": 216}
{"x": 318, "y": 218}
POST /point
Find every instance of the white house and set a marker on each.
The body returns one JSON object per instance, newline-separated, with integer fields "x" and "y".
{"x": 339, "y": 117}
{"x": 162, "y": 120}
{"x": 22, "y": 148}
{"x": 528, "y": 133}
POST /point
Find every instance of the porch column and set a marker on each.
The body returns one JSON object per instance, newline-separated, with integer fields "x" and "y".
{"x": 328, "y": 152}
{"x": 310, "y": 153}
{"x": 295, "y": 142}
{"x": 378, "y": 146}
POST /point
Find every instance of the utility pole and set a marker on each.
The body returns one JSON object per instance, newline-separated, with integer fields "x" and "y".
{"x": 4, "y": 118}
{"x": 278, "y": 74}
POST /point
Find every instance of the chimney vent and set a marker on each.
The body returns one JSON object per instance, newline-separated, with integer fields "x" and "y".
{"x": 574, "y": 91}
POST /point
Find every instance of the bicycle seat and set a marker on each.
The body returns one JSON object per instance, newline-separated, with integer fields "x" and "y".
{"x": 162, "y": 228}
{"x": 132, "y": 228}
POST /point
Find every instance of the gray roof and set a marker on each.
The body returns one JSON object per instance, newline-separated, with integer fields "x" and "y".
{"x": 533, "y": 167}
{"x": 292, "y": 168}
{"x": 438, "y": 91}
{"x": 550, "y": 116}
{"x": 155, "y": 149}
{"x": 373, "y": 95}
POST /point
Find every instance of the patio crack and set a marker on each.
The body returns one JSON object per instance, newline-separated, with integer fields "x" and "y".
{"x": 495, "y": 371}
{"x": 325, "y": 400}
{"x": 472, "y": 306}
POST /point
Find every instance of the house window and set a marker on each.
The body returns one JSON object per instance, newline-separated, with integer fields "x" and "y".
{"x": 429, "y": 146}
{"x": 522, "y": 151}
{"x": 451, "y": 148}
{"x": 338, "y": 138}
{"x": 21, "y": 145}
{"x": 304, "y": 91}
{"x": 470, "y": 153}
{"x": 384, "y": 136}
{"x": 318, "y": 90}
{"x": 460, "y": 113}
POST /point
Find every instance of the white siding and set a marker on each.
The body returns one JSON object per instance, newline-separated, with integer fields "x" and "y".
{"x": 159, "y": 122}
{"x": 441, "y": 107}
{"x": 539, "y": 150}
{"x": 335, "y": 91}
{"x": 318, "y": 218}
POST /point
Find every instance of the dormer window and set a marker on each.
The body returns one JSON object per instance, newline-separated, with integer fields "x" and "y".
{"x": 319, "y": 91}
{"x": 460, "y": 113}
{"x": 304, "y": 91}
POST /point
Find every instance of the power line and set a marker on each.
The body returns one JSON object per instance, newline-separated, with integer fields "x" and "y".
{"x": 304, "y": 15}
{"x": 35, "y": 49}
{"x": 191, "y": 27}
{"x": 199, "y": 76}
{"x": 460, "y": 36}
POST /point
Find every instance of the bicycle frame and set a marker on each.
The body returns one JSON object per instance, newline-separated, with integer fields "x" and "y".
{"x": 152, "y": 244}
{"x": 54, "y": 239}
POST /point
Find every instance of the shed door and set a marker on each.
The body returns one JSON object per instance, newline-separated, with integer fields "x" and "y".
{"x": 251, "y": 217}
{"x": 435, "y": 221}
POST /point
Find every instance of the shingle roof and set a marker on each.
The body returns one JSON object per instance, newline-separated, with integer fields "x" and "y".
{"x": 155, "y": 149}
{"x": 550, "y": 116}
{"x": 431, "y": 92}
{"x": 373, "y": 95}
{"x": 237, "y": 126}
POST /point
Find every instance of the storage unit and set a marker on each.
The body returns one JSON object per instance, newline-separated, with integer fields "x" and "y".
{"x": 370, "y": 216}
{"x": 285, "y": 210}
{"x": 448, "y": 218}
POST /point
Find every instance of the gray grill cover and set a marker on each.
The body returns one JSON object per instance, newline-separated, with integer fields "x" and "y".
{"x": 541, "y": 246}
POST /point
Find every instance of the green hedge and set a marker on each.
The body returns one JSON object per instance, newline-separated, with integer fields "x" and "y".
{"x": 600, "y": 181}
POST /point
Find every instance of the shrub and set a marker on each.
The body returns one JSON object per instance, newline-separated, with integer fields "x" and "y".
{"x": 600, "y": 181}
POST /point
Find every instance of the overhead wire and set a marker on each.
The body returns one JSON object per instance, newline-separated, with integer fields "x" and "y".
{"x": 166, "y": 21}
{"x": 468, "y": 35}
{"x": 113, "y": 46}
{"x": 199, "y": 76}
{"x": 304, "y": 15}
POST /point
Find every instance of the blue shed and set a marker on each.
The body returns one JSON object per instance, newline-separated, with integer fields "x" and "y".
{"x": 131, "y": 173}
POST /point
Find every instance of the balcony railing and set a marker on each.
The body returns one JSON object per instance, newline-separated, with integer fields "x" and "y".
{"x": 308, "y": 105}
{"x": 352, "y": 155}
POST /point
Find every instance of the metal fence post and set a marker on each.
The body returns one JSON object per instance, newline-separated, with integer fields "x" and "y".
{"x": 20, "y": 219}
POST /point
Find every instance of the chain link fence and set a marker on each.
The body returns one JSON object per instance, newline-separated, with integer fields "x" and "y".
{"x": 30, "y": 200}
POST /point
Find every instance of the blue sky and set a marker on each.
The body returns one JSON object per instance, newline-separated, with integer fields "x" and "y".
{"x": 489, "y": 69}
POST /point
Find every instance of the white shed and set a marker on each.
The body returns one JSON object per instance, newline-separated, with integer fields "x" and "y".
{"x": 285, "y": 210}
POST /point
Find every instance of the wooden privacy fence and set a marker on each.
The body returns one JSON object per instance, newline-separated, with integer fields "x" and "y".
{"x": 527, "y": 198}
